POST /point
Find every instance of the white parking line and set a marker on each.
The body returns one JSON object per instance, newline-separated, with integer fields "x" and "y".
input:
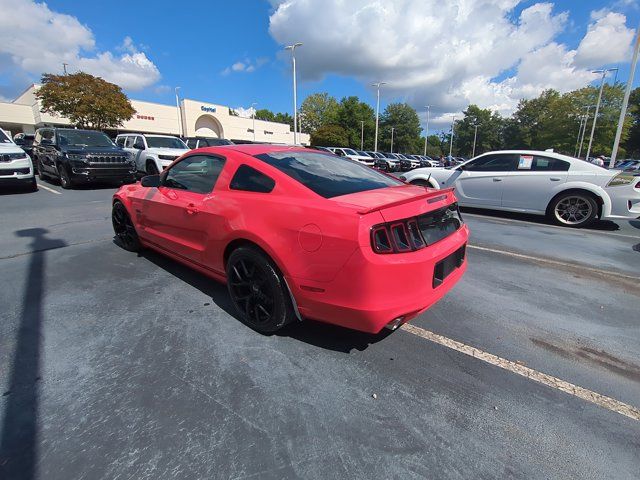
{"x": 555, "y": 262}
{"x": 548, "y": 380}
{"x": 568, "y": 230}
{"x": 49, "y": 189}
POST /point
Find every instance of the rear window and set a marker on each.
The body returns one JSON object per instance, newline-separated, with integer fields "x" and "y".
{"x": 327, "y": 175}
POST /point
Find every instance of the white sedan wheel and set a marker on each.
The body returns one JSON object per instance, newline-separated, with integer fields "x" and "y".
{"x": 574, "y": 210}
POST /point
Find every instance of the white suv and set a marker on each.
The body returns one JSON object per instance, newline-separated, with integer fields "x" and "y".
{"x": 352, "y": 154}
{"x": 152, "y": 153}
{"x": 16, "y": 167}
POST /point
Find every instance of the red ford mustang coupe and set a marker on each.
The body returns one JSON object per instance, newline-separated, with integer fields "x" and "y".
{"x": 299, "y": 233}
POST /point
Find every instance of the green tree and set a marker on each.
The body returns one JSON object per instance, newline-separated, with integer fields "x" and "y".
{"x": 351, "y": 111}
{"x": 87, "y": 101}
{"x": 488, "y": 133}
{"x": 318, "y": 109}
{"x": 632, "y": 144}
{"x": 329, "y": 135}
{"x": 265, "y": 114}
{"x": 406, "y": 124}
{"x": 283, "y": 118}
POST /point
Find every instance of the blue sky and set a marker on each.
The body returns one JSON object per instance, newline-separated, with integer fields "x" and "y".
{"x": 193, "y": 43}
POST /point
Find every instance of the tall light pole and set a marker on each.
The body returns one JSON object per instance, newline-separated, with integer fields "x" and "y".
{"x": 180, "y": 130}
{"x": 584, "y": 129}
{"x": 362, "y": 135}
{"x": 295, "y": 90}
{"x": 426, "y": 133}
{"x": 625, "y": 102}
{"x": 392, "y": 130}
{"x": 595, "y": 115}
{"x": 453, "y": 122}
{"x": 475, "y": 136}
{"x": 377, "y": 85}
{"x": 253, "y": 115}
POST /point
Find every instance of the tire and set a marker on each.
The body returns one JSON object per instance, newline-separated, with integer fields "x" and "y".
{"x": 33, "y": 185}
{"x": 123, "y": 228}
{"x": 258, "y": 291}
{"x": 573, "y": 209}
{"x": 152, "y": 169}
{"x": 64, "y": 178}
{"x": 42, "y": 175}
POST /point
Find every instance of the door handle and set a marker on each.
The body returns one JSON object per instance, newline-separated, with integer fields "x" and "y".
{"x": 191, "y": 209}
{"x": 497, "y": 179}
{"x": 554, "y": 179}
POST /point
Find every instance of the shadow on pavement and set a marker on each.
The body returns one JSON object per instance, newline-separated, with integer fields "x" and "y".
{"x": 319, "y": 334}
{"x": 19, "y": 437}
{"x": 600, "y": 225}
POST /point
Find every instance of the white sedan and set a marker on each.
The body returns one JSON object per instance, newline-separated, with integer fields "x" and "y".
{"x": 570, "y": 191}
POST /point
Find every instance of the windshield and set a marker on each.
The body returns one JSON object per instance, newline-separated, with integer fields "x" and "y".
{"x": 165, "y": 142}
{"x": 83, "y": 138}
{"x": 348, "y": 151}
{"x": 4, "y": 138}
{"x": 327, "y": 175}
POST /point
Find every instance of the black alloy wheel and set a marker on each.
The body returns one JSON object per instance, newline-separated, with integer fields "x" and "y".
{"x": 41, "y": 173}
{"x": 258, "y": 290}
{"x": 124, "y": 229}
{"x": 63, "y": 176}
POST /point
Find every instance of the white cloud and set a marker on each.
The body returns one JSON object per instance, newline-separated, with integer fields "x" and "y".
{"x": 607, "y": 40}
{"x": 38, "y": 40}
{"x": 247, "y": 66}
{"x": 446, "y": 54}
{"x": 245, "y": 112}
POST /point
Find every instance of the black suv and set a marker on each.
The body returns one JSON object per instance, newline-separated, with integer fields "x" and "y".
{"x": 199, "y": 142}
{"x": 80, "y": 156}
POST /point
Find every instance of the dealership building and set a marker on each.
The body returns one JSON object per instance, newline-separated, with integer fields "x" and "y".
{"x": 191, "y": 118}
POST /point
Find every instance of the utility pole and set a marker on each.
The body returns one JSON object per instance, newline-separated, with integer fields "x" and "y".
{"x": 426, "y": 133}
{"x": 575, "y": 151}
{"x": 64, "y": 67}
{"x": 180, "y": 130}
{"x": 377, "y": 85}
{"x": 392, "y": 129}
{"x": 362, "y": 135}
{"x": 595, "y": 115}
{"x": 475, "y": 135}
{"x": 584, "y": 129}
{"x": 295, "y": 90}
{"x": 453, "y": 122}
{"x": 625, "y": 102}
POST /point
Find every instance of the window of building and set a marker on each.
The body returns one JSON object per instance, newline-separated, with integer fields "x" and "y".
{"x": 251, "y": 180}
{"x": 197, "y": 173}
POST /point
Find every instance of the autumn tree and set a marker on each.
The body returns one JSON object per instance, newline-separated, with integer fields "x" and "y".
{"x": 87, "y": 101}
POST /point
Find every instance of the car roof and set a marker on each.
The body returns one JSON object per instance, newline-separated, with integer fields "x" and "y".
{"x": 259, "y": 148}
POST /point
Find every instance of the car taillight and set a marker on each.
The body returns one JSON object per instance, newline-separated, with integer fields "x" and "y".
{"x": 415, "y": 233}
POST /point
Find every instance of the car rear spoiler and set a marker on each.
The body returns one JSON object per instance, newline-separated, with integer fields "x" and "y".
{"x": 433, "y": 196}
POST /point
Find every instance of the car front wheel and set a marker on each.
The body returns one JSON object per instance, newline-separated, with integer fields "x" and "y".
{"x": 123, "y": 228}
{"x": 258, "y": 290}
{"x": 63, "y": 176}
{"x": 574, "y": 209}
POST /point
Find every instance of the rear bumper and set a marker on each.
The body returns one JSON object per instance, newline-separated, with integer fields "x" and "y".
{"x": 625, "y": 203}
{"x": 372, "y": 290}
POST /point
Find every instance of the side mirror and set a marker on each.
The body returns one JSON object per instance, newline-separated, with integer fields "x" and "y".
{"x": 150, "y": 181}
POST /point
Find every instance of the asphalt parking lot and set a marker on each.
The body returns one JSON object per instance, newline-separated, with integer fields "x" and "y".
{"x": 119, "y": 366}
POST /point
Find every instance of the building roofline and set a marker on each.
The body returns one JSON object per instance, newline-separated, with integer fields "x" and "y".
{"x": 33, "y": 85}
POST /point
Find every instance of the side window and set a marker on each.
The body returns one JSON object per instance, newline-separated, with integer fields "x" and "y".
{"x": 129, "y": 141}
{"x": 547, "y": 164}
{"x": 120, "y": 141}
{"x": 493, "y": 163}
{"x": 197, "y": 173}
{"x": 139, "y": 142}
{"x": 339, "y": 152}
{"x": 251, "y": 180}
{"x": 192, "y": 143}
